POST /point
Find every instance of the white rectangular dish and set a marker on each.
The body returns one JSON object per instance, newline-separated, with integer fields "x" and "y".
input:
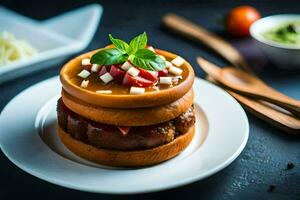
{"x": 54, "y": 38}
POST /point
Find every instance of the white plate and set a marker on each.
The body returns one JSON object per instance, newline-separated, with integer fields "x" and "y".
{"x": 28, "y": 138}
{"x": 54, "y": 38}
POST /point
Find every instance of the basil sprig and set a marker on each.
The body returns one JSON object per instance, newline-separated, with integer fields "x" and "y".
{"x": 135, "y": 52}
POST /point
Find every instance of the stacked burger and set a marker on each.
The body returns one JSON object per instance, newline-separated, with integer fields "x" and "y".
{"x": 127, "y": 105}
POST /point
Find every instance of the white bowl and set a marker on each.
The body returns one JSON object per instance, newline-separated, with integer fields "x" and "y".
{"x": 282, "y": 55}
{"x": 55, "y": 38}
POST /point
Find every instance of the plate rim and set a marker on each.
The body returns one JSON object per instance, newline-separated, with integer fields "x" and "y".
{"x": 185, "y": 181}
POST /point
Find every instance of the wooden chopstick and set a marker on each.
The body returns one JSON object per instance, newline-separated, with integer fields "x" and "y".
{"x": 279, "y": 118}
{"x": 192, "y": 31}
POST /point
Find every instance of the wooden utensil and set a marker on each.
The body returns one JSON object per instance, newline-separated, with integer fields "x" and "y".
{"x": 249, "y": 85}
{"x": 266, "y": 112}
{"x": 193, "y": 31}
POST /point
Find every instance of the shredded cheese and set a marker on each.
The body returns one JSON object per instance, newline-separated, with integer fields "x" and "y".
{"x": 13, "y": 49}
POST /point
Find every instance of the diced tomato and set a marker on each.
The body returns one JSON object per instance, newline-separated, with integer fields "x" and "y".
{"x": 124, "y": 129}
{"x": 149, "y": 75}
{"x": 163, "y": 72}
{"x": 102, "y": 71}
{"x": 117, "y": 73}
{"x": 239, "y": 20}
{"x": 136, "y": 81}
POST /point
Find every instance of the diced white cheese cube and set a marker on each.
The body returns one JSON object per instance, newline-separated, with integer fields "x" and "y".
{"x": 126, "y": 66}
{"x": 95, "y": 68}
{"x": 162, "y": 57}
{"x": 85, "y": 61}
{"x": 106, "y": 78}
{"x": 84, "y": 73}
{"x": 137, "y": 90}
{"x": 84, "y": 83}
{"x": 151, "y": 49}
{"x": 165, "y": 80}
{"x": 168, "y": 64}
{"x": 104, "y": 91}
{"x": 175, "y": 70}
{"x": 133, "y": 71}
{"x": 178, "y": 61}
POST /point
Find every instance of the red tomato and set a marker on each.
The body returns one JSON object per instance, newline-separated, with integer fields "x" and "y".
{"x": 117, "y": 73}
{"x": 102, "y": 71}
{"x": 150, "y": 75}
{"x": 124, "y": 129}
{"x": 136, "y": 81}
{"x": 163, "y": 72}
{"x": 239, "y": 20}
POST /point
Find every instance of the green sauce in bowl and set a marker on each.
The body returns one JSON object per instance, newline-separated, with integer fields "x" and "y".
{"x": 288, "y": 33}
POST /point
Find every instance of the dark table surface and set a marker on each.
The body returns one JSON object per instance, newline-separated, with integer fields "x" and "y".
{"x": 268, "y": 151}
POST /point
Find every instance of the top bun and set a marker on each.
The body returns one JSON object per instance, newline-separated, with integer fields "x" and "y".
{"x": 147, "y": 99}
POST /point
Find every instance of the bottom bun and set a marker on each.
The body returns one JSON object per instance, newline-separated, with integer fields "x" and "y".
{"x": 138, "y": 158}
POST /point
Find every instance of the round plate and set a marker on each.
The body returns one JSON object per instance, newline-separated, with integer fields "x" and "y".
{"x": 28, "y": 138}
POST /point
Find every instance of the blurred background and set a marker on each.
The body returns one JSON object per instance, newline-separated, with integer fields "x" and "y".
{"x": 263, "y": 162}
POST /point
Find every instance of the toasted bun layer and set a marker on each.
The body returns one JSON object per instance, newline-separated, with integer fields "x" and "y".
{"x": 129, "y": 117}
{"x": 147, "y": 99}
{"x": 127, "y": 158}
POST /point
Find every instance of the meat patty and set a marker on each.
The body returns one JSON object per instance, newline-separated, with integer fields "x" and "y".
{"x": 184, "y": 121}
{"x": 110, "y": 137}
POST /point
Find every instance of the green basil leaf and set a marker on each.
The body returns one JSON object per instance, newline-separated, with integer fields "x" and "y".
{"x": 139, "y": 42}
{"x": 109, "y": 57}
{"x": 120, "y": 44}
{"x": 148, "y": 60}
